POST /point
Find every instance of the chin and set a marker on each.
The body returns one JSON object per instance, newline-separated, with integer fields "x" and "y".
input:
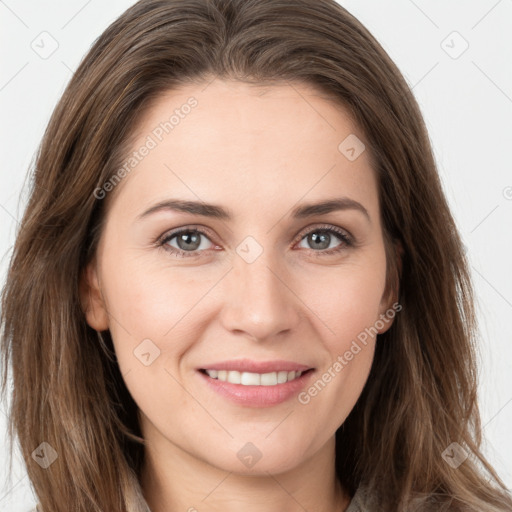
{"x": 250, "y": 460}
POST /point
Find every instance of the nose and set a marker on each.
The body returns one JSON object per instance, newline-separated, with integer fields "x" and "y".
{"x": 260, "y": 301}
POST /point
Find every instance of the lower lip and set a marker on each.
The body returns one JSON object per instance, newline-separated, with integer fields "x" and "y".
{"x": 258, "y": 396}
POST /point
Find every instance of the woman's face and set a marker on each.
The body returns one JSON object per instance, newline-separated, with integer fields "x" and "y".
{"x": 259, "y": 281}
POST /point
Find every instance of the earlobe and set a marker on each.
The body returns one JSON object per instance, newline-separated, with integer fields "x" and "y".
{"x": 387, "y": 313}
{"x": 91, "y": 298}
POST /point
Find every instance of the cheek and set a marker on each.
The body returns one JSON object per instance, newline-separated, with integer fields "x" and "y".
{"x": 347, "y": 299}
{"x": 348, "y": 308}
{"x": 147, "y": 303}
{"x": 150, "y": 322}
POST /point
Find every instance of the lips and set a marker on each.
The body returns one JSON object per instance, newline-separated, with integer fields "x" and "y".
{"x": 264, "y": 393}
{"x": 257, "y": 396}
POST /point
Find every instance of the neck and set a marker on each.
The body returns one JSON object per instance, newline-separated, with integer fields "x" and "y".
{"x": 180, "y": 481}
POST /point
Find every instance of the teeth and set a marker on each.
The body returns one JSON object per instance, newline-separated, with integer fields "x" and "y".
{"x": 253, "y": 379}
{"x": 282, "y": 377}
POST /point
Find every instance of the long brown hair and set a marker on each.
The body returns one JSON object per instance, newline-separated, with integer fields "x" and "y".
{"x": 421, "y": 393}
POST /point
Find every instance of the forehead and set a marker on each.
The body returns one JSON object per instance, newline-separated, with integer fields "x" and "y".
{"x": 247, "y": 144}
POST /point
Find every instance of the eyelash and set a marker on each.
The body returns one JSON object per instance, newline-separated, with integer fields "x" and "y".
{"x": 347, "y": 240}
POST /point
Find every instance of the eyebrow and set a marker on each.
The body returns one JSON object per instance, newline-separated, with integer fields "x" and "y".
{"x": 218, "y": 212}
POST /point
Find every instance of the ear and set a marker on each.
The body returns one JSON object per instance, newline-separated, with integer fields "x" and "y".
{"x": 91, "y": 298}
{"x": 389, "y": 305}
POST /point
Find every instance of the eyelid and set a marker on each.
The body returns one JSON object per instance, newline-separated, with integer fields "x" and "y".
{"x": 163, "y": 239}
{"x": 346, "y": 238}
{"x": 324, "y": 227}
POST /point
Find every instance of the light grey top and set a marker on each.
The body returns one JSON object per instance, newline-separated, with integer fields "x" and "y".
{"x": 359, "y": 503}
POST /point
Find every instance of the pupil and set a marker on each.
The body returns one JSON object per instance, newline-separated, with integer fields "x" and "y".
{"x": 323, "y": 239}
{"x": 192, "y": 239}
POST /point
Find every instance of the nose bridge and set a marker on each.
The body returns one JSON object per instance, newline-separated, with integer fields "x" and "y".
{"x": 259, "y": 300}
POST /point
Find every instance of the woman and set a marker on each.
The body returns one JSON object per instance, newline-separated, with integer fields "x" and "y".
{"x": 177, "y": 339}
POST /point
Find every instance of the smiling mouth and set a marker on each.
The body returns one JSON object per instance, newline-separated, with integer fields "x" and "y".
{"x": 254, "y": 379}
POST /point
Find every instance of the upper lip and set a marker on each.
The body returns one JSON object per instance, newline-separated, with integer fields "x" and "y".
{"x": 247, "y": 365}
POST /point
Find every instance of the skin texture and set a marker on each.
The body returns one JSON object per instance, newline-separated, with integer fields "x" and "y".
{"x": 259, "y": 152}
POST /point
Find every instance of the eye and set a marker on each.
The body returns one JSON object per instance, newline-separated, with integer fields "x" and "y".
{"x": 322, "y": 237}
{"x": 187, "y": 241}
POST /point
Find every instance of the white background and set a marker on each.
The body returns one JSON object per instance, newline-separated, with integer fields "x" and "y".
{"x": 466, "y": 101}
